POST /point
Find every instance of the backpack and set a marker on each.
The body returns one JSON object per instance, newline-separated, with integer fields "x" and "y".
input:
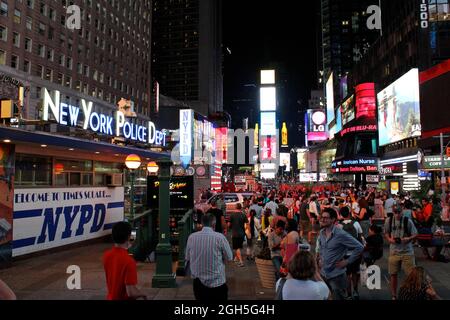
{"x": 404, "y": 222}
{"x": 350, "y": 229}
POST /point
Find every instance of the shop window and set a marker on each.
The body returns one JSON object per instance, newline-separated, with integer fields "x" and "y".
{"x": 73, "y": 165}
{"x": 33, "y": 171}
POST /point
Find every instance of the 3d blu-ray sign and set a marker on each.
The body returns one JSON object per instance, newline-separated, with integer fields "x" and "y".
{"x": 116, "y": 126}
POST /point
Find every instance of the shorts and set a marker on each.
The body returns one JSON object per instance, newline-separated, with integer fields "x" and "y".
{"x": 305, "y": 225}
{"x": 238, "y": 243}
{"x": 397, "y": 261}
{"x": 354, "y": 267}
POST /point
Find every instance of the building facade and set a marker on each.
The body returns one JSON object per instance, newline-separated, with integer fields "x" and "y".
{"x": 187, "y": 52}
{"x": 75, "y": 102}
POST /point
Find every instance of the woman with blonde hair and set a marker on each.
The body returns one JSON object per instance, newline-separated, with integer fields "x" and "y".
{"x": 417, "y": 286}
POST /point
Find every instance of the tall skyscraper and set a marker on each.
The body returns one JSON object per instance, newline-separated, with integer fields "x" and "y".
{"x": 187, "y": 52}
{"x": 345, "y": 36}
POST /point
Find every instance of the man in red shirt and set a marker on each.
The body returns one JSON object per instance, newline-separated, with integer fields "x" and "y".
{"x": 120, "y": 267}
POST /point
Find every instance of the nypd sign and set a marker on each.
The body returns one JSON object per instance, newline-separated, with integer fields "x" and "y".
{"x": 49, "y": 218}
{"x": 117, "y": 126}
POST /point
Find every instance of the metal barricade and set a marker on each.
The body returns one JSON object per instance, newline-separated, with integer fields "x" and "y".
{"x": 185, "y": 228}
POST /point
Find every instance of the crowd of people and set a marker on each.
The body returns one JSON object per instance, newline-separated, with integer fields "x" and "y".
{"x": 318, "y": 239}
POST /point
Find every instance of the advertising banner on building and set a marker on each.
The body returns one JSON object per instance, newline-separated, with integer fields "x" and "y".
{"x": 285, "y": 160}
{"x": 50, "y": 218}
{"x": 317, "y": 125}
{"x": 348, "y": 110}
{"x": 7, "y": 163}
{"x": 301, "y": 159}
{"x": 330, "y": 99}
{"x": 399, "y": 109}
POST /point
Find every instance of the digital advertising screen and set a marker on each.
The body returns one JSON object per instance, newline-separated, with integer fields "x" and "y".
{"x": 301, "y": 159}
{"x": 348, "y": 110}
{"x": 268, "y": 123}
{"x": 338, "y": 120}
{"x": 330, "y": 99}
{"x": 181, "y": 192}
{"x": 268, "y": 99}
{"x": 285, "y": 160}
{"x": 317, "y": 125}
{"x": 399, "y": 109}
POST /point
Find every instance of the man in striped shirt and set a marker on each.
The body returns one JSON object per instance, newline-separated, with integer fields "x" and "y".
{"x": 207, "y": 252}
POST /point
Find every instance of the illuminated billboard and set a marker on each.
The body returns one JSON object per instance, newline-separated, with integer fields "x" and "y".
{"x": 268, "y": 150}
{"x": 366, "y": 103}
{"x": 301, "y": 159}
{"x": 399, "y": 109}
{"x": 338, "y": 120}
{"x": 285, "y": 160}
{"x": 348, "y": 110}
{"x": 267, "y": 76}
{"x": 317, "y": 125}
{"x": 330, "y": 99}
{"x": 268, "y": 99}
{"x": 268, "y": 124}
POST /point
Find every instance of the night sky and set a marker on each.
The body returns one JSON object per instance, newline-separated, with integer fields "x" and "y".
{"x": 263, "y": 34}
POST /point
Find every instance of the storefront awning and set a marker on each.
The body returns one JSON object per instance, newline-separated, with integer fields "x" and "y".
{"x": 51, "y": 139}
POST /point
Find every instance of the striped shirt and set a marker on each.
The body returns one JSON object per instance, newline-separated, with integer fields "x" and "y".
{"x": 207, "y": 251}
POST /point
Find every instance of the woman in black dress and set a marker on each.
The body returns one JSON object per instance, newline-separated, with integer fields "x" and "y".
{"x": 417, "y": 286}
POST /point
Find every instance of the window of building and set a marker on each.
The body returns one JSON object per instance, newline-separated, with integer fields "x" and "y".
{"x": 48, "y": 74}
{"x": 14, "y": 62}
{"x": 28, "y": 44}
{"x": 62, "y": 60}
{"x": 41, "y": 50}
{"x": 78, "y": 85}
{"x": 29, "y": 23}
{"x": 86, "y": 71}
{"x": 69, "y": 63}
{"x": 26, "y": 66}
{"x": 68, "y": 82}
{"x": 17, "y": 16}
{"x": 43, "y": 9}
{"x": 30, "y": 4}
{"x": 51, "y": 33}
{"x": 60, "y": 79}
{"x": 3, "y": 9}
{"x": 16, "y": 39}
{"x": 40, "y": 72}
{"x": 50, "y": 54}
{"x": 52, "y": 14}
{"x": 33, "y": 171}
{"x": 3, "y": 33}
{"x": 42, "y": 29}
{"x": 2, "y": 57}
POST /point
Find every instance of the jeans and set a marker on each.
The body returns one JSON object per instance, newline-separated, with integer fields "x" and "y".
{"x": 277, "y": 262}
{"x": 338, "y": 287}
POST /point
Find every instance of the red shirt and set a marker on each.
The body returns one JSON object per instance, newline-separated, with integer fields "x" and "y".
{"x": 427, "y": 211}
{"x": 120, "y": 271}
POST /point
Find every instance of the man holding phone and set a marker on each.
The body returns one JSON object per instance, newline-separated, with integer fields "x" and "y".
{"x": 399, "y": 232}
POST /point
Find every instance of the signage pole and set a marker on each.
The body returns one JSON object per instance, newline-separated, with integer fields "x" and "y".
{"x": 443, "y": 181}
{"x": 164, "y": 276}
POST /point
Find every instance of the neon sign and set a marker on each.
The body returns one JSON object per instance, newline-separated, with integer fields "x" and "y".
{"x": 363, "y": 128}
{"x": 117, "y": 126}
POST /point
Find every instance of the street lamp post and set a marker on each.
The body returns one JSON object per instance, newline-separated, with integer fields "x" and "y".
{"x": 164, "y": 276}
{"x": 132, "y": 162}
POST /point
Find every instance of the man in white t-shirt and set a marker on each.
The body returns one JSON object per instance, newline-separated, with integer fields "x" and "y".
{"x": 272, "y": 206}
{"x": 388, "y": 205}
{"x": 313, "y": 210}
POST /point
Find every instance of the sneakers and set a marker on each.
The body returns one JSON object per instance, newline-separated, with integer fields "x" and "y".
{"x": 240, "y": 264}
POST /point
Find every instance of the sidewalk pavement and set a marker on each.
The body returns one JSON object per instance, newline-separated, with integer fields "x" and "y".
{"x": 44, "y": 278}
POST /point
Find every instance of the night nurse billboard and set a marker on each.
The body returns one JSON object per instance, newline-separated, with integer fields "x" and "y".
{"x": 399, "y": 109}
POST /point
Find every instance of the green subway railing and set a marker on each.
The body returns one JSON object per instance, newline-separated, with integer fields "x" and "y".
{"x": 185, "y": 228}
